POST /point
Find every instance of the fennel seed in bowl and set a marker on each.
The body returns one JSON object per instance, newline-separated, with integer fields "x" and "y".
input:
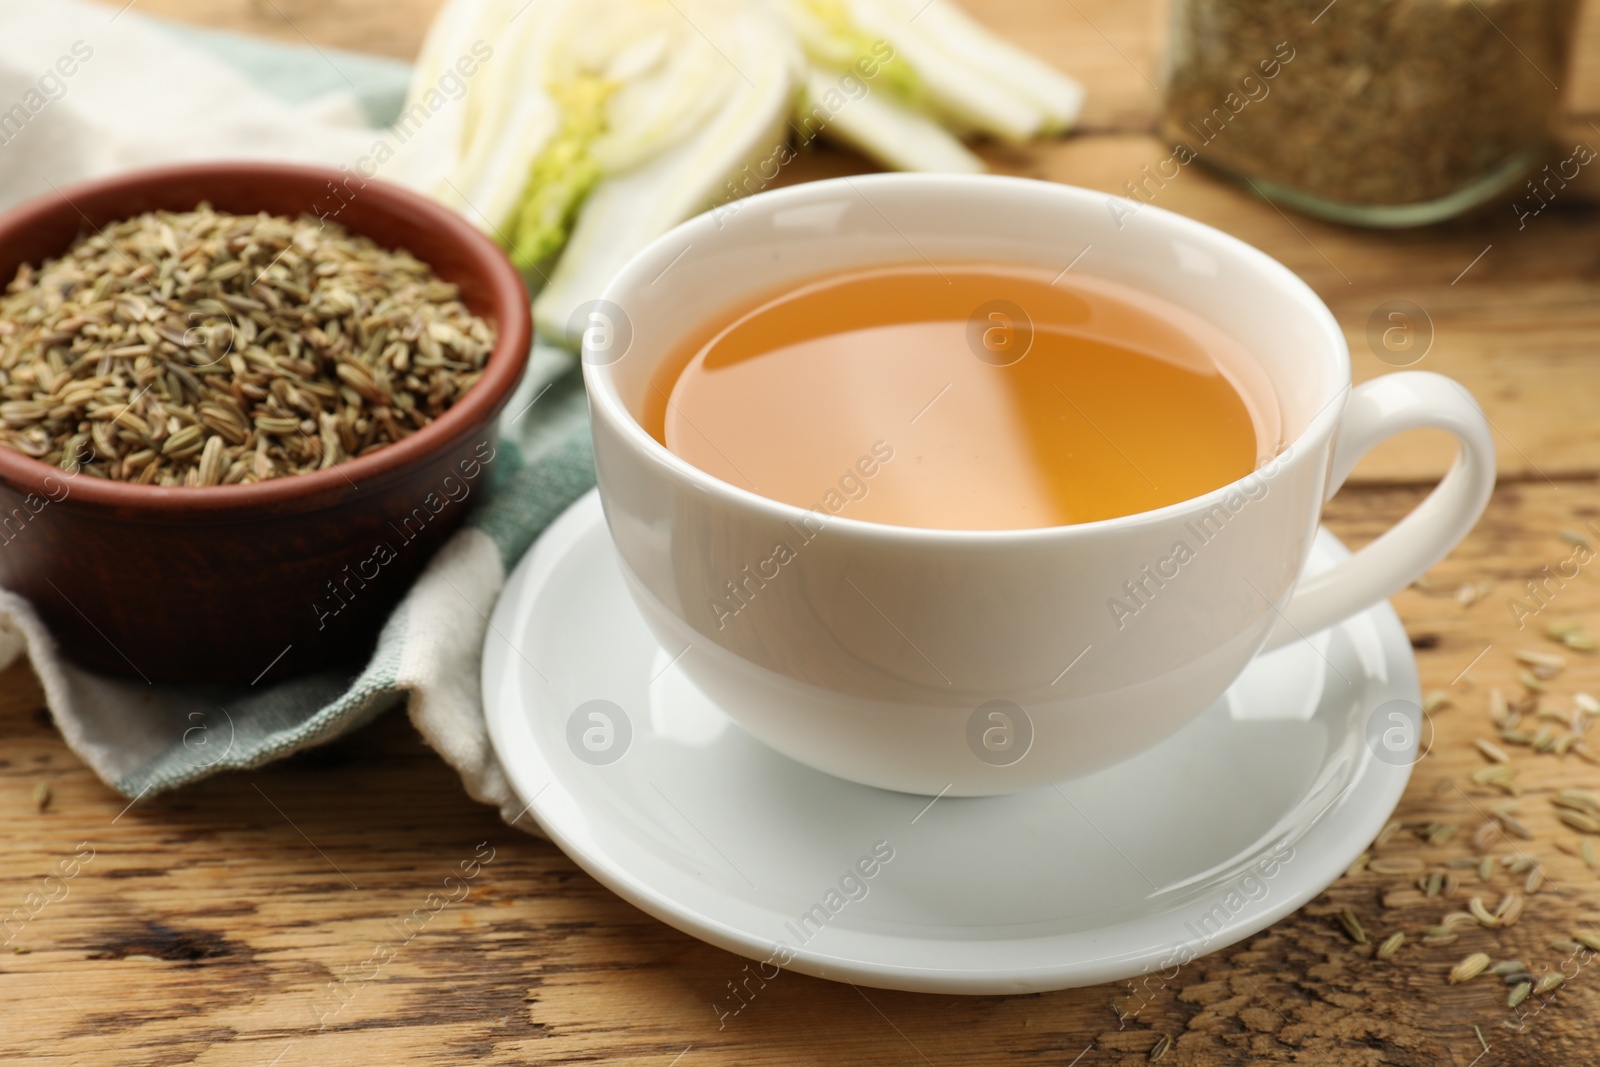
{"x": 203, "y": 348}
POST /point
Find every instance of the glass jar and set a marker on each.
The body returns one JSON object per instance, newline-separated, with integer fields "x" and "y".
{"x": 1371, "y": 112}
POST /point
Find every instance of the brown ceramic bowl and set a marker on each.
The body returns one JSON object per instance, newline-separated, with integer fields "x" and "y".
{"x": 241, "y": 583}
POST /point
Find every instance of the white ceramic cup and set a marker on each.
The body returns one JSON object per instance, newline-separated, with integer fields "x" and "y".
{"x": 980, "y": 662}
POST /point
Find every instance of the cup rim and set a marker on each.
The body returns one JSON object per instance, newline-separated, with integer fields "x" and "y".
{"x": 649, "y": 262}
{"x": 98, "y": 201}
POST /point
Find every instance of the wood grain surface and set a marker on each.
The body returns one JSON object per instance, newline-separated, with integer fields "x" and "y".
{"x": 258, "y": 918}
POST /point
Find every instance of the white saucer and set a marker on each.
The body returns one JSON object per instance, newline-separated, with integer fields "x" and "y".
{"x": 1227, "y": 826}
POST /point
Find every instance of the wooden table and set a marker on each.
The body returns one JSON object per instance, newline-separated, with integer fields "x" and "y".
{"x": 209, "y": 924}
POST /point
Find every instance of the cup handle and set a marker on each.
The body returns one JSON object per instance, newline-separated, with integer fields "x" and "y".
{"x": 1379, "y": 409}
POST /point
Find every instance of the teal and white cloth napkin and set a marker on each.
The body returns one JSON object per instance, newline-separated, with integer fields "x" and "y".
{"x": 265, "y": 100}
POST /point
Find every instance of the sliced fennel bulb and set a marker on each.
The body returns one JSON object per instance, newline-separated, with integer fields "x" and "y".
{"x": 631, "y": 78}
{"x": 890, "y": 132}
{"x": 1057, "y": 97}
{"x": 833, "y": 40}
{"x": 629, "y": 209}
{"x": 599, "y": 124}
{"x": 563, "y": 173}
{"x": 429, "y": 152}
{"x": 955, "y": 69}
{"x": 577, "y": 90}
{"x": 476, "y": 154}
